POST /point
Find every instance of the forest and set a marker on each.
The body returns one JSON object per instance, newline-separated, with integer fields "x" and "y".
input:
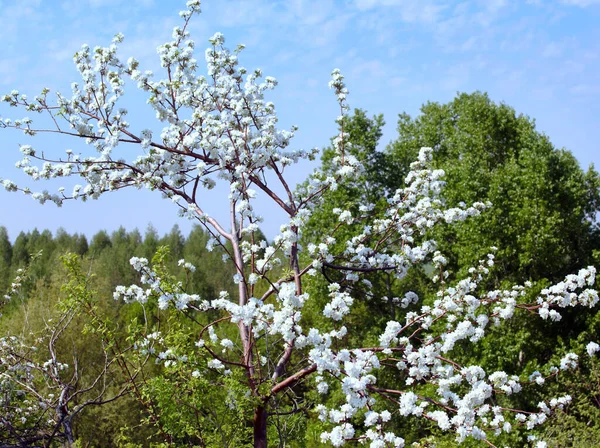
{"x": 87, "y": 368}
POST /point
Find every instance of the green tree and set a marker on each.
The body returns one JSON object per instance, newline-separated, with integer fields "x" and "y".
{"x": 543, "y": 220}
{"x": 175, "y": 240}
{"x": 5, "y": 259}
{"x": 212, "y": 274}
{"x": 20, "y": 251}
{"x": 42, "y": 243}
{"x": 544, "y": 211}
{"x": 64, "y": 241}
{"x": 362, "y": 139}
{"x": 73, "y": 364}
{"x": 100, "y": 241}
{"x": 363, "y": 135}
{"x": 81, "y": 244}
{"x": 76, "y": 243}
{"x": 150, "y": 243}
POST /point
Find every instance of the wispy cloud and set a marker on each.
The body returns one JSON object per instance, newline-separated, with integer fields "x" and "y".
{"x": 585, "y": 89}
{"x": 581, "y": 3}
{"x": 18, "y": 17}
{"x": 307, "y": 12}
{"x": 411, "y": 11}
{"x": 10, "y": 69}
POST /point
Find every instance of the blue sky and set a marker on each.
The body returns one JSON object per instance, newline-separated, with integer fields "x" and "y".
{"x": 540, "y": 56}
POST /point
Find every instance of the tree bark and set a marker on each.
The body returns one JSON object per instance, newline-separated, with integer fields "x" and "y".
{"x": 69, "y": 437}
{"x": 260, "y": 427}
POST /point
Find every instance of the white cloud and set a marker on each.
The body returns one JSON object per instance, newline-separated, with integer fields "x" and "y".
{"x": 329, "y": 31}
{"x": 10, "y": 69}
{"x": 236, "y": 13}
{"x": 553, "y": 50}
{"x": 585, "y": 89}
{"x": 397, "y": 81}
{"x": 581, "y": 3}
{"x": 309, "y": 12}
{"x": 365, "y": 4}
{"x": 369, "y": 69}
{"x": 411, "y": 11}
{"x": 17, "y": 16}
{"x": 311, "y": 23}
{"x": 470, "y": 44}
{"x": 141, "y": 42}
{"x": 489, "y": 11}
{"x": 494, "y": 6}
{"x": 104, "y": 3}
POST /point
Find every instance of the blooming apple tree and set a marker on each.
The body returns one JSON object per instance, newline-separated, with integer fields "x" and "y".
{"x": 218, "y": 127}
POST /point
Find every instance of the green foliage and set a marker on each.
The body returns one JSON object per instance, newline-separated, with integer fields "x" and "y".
{"x": 76, "y": 243}
{"x": 364, "y": 134}
{"x": 543, "y": 218}
{"x": 5, "y": 259}
{"x": 211, "y": 275}
{"x": 579, "y": 425}
{"x": 150, "y": 243}
{"x": 20, "y": 252}
{"x": 83, "y": 284}
{"x": 543, "y": 222}
{"x": 363, "y": 137}
{"x": 100, "y": 241}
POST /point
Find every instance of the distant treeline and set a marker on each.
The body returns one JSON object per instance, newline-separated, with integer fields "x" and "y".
{"x": 109, "y": 253}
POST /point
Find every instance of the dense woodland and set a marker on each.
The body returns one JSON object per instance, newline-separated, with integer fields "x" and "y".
{"x": 543, "y": 223}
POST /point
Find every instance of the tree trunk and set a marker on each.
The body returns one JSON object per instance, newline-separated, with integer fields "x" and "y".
{"x": 69, "y": 437}
{"x": 260, "y": 427}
